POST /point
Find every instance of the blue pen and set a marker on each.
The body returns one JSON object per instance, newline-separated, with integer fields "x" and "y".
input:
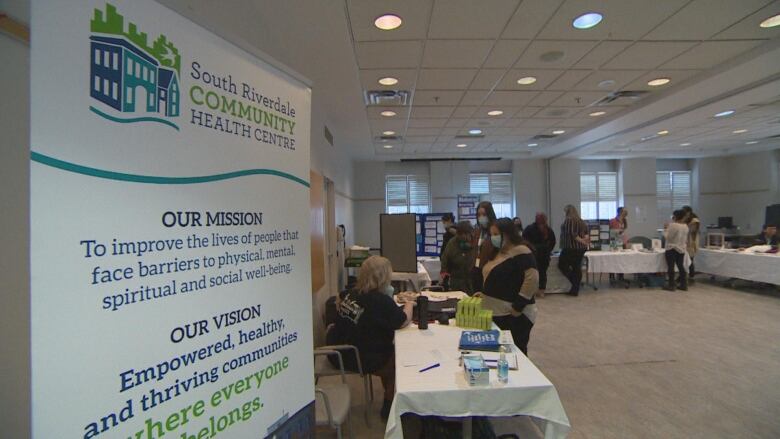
{"x": 429, "y": 367}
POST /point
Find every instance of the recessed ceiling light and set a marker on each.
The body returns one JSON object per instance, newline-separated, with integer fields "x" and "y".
{"x": 388, "y": 81}
{"x": 725, "y": 113}
{"x": 387, "y": 146}
{"x": 533, "y": 144}
{"x": 461, "y": 145}
{"x": 685, "y": 144}
{"x": 658, "y": 82}
{"x": 598, "y": 113}
{"x": 388, "y": 113}
{"x": 388, "y": 133}
{"x": 495, "y": 113}
{"x": 739, "y": 131}
{"x": 587, "y": 21}
{"x": 607, "y": 83}
{"x": 526, "y": 80}
{"x": 559, "y": 131}
{"x": 663, "y": 132}
{"x": 752, "y": 142}
{"x": 475, "y": 131}
{"x": 388, "y": 22}
{"x": 771, "y": 21}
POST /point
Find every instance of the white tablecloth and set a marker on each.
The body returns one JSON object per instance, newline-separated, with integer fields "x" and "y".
{"x": 443, "y": 391}
{"x": 432, "y": 265}
{"x": 418, "y": 280}
{"x": 628, "y": 261}
{"x": 757, "y": 267}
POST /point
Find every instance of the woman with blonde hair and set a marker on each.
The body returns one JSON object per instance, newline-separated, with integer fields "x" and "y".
{"x": 367, "y": 318}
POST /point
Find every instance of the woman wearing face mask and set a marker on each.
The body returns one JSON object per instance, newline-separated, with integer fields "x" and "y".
{"x": 367, "y": 318}
{"x": 480, "y": 242}
{"x": 511, "y": 280}
{"x": 456, "y": 259}
{"x": 542, "y": 238}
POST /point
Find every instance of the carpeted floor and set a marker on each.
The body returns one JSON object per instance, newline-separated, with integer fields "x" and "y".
{"x": 648, "y": 363}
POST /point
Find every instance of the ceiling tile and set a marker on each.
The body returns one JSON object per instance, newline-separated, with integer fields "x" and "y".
{"x": 749, "y": 28}
{"x": 572, "y": 52}
{"x": 602, "y": 53}
{"x": 486, "y": 79}
{"x": 578, "y": 98}
{"x": 620, "y": 78}
{"x": 420, "y": 139}
{"x": 455, "y": 53}
{"x": 431, "y": 112}
{"x": 526, "y": 131}
{"x": 377, "y": 125}
{"x": 527, "y": 112}
{"x": 415, "y": 132}
{"x": 362, "y": 14}
{"x": 463, "y": 112}
{"x": 374, "y": 113}
{"x": 545, "y": 98}
{"x": 467, "y": 19}
{"x": 427, "y": 123}
{"x": 530, "y": 18}
{"x": 510, "y": 98}
{"x": 577, "y": 122}
{"x": 557, "y": 112}
{"x": 437, "y": 97}
{"x": 701, "y": 19}
{"x": 445, "y": 79}
{"x": 456, "y": 123}
{"x": 543, "y": 79}
{"x": 474, "y": 97}
{"x": 677, "y": 77}
{"x": 540, "y": 123}
{"x": 647, "y": 55}
{"x": 623, "y": 19}
{"x": 505, "y": 53}
{"x": 710, "y": 53}
{"x": 568, "y": 80}
{"x": 405, "y": 77}
{"x": 388, "y": 54}
{"x": 484, "y": 122}
{"x": 451, "y": 131}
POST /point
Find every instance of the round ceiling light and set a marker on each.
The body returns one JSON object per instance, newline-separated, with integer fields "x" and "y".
{"x": 475, "y": 132}
{"x": 495, "y": 113}
{"x": 526, "y": 80}
{"x": 388, "y": 81}
{"x": 771, "y": 21}
{"x": 663, "y": 132}
{"x": 685, "y": 144}
{"x": 752, "y": 142}
{"x": 388, "y": 113}
{"x": 388, "y": 133}
{"x": 658, "y": 82}
{"x": 533, "y": 144}
{"x": 725, "y": 113}
{"x": 607, "y": 83}
{"x": 387, "y": 146}
{"x": 388, "y": 22}
{"x": 597, "y": 113}
{"x": 556, "y": 132}
{"x": 461, "y": 145}
{"x": 587, "y": 20}
{"x": 739, "y": 131}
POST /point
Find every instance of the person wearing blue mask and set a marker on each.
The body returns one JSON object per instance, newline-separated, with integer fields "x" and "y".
{"x": 480, "y": 242}
{"x": 456, "y": 260}
{"x": 367, "y": 317}
{"x": 511, "y": 281}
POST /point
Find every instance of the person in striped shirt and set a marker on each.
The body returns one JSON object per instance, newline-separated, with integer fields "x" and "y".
{"x": 574, "y": 244}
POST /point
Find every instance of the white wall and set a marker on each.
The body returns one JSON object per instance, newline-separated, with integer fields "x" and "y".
{"x": 564, "y": 188}
{"x": 530, "y": 183}
{"x": 14, "y": 239}
{"x": 637, "y": 183}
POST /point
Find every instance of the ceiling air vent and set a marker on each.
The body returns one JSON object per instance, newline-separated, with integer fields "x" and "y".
{"x": 328, "y": 135}
{"x": 388, "y": 139}
{"x": 622, "y": 94}
{"x": 387, "y": 97}
{"x": 470, "y": 136}
{"x": 544, "y": 136}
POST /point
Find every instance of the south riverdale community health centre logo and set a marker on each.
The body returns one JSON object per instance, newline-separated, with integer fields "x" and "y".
{"x": 132, "y": 80}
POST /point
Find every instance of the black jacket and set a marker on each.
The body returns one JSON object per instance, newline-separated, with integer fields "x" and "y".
{"x": 512, "y": 277}
{"x": 534, "y": 235}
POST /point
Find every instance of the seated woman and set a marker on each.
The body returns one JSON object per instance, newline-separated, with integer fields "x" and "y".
{"x": 457, "y": 259}
{"x": 511, "y": 280}
{"x": 367, "y": 318}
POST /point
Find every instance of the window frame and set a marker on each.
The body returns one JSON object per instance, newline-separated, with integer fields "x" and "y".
{"x": 600, "y": 199}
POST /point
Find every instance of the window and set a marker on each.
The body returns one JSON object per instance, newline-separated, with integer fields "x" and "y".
{"x": 97, "y": 83}
{"x": 97, "y": 56}
{"x": 598, "y": 195}
{"x": 496, "y": 188}
{"x": 106, "y": 87}
{"x": 114, "y": 90}
{"x": 407, "y": 194}
{"x": 115, "y": 63}
{"x": 673, "y": 191}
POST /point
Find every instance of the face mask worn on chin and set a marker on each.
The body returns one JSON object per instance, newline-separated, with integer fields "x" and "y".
{"x": 496, "y": 240}
{"x": 483, "y": 221}
{"x": 389, "y": 290}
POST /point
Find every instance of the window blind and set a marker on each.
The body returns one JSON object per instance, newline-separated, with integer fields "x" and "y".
{"x": 598, "y": 195}
{"x": 673, "y": 191}
{"x": 407, "y": 194}
{"x": 496, "y": 188}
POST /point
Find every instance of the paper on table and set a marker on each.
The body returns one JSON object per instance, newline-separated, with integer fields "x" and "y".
{"x": 425, "y": 358}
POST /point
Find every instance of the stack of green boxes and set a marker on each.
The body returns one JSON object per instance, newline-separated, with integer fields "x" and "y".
{"x": 469, "y": 314}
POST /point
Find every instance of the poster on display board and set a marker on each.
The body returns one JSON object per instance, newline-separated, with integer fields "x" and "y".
{"x": 170, "y": 278}
{"x": 467, "y": 208}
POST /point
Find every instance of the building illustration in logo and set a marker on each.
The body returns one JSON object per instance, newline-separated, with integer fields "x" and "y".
{"x": 130, "y": 76}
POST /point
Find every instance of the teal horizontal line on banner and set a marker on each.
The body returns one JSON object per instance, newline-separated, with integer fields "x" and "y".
{"x": 149, "y": 179}
{"x": 133, "y": 119}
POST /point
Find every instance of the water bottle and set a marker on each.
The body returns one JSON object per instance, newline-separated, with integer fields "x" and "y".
{"x": 422, "y": 312}
{"x": 503, "y": 366}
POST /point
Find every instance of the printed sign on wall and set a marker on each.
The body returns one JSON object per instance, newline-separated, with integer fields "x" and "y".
{"x": 170, "y": 230}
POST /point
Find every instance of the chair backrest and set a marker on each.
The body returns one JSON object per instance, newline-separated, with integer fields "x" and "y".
{"x": 646, "y": 242}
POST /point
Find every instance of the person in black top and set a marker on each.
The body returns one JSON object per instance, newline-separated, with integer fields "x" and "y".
{"x": 574, "y": 244}
{"x": 367, "y": 318}
{"x": 768, "y": 236}
{"x": 542, "y": 238}
{"x": 480, "y": 242}
{"x": 519, "y": 224}
{"x": 448, "y": 221}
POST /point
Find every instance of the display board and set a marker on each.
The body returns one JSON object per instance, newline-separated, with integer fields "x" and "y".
{"x": 398, "y": 241}
{"x": 430, "y": 234}
{"x": 598, "y": 231}
{"x": 170, "y": 254}
{"x": 467, "y": 208}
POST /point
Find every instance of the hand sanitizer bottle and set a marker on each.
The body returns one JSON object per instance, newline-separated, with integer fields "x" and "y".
{"x": 503, "y": 366}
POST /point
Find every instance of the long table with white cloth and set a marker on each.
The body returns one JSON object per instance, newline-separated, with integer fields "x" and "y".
{"x": 443, "y": 391}
{"x": 756, "y": 267}
{"x": 628, "y": 261}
